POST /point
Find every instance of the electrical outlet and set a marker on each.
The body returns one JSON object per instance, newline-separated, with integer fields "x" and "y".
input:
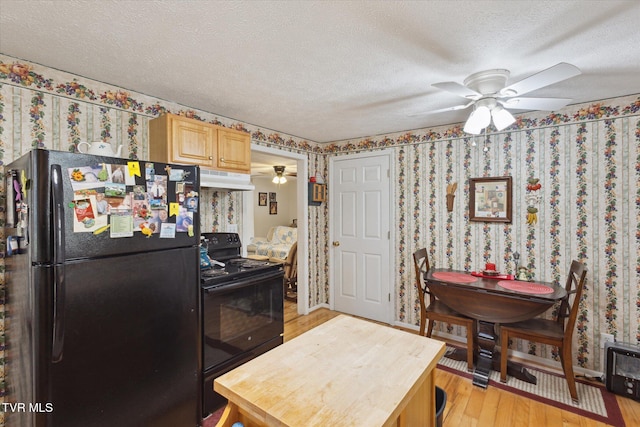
{"x": 606, "y": 338}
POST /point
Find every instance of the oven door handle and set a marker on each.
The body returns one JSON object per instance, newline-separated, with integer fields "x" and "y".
{"x": 242, "y": 282}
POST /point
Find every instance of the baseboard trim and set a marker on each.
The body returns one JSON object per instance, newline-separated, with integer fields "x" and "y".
{"x": 318, "y": 307}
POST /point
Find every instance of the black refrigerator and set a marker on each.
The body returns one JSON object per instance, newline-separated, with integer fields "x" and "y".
{"x": 102, "y": 292}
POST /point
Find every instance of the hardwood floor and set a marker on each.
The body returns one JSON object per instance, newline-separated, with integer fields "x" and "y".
{"x": 468, "y": 405}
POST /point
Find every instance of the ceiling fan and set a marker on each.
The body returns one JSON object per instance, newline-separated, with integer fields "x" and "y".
{"x": 280, "y": 175}
{"x": 490, "y": 97}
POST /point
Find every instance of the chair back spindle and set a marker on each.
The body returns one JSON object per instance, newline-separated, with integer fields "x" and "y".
{"x": 569, "y": 306}
{"x": 421, "y": 264}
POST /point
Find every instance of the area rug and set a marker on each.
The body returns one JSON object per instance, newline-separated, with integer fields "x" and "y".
{"x": 595, "y": 401}
{"x": 213, "y": 419}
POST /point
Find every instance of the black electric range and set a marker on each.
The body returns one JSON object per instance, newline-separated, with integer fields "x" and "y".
{"x": 242, "y": 311}
{"x": 227, "y": 264}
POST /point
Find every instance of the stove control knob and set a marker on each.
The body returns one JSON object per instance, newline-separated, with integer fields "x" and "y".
{"x": 236, "y": 238}
{"x": 229, "y": 238}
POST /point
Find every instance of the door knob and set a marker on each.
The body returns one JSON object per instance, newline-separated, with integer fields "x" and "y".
{"x": 336, "y": 243}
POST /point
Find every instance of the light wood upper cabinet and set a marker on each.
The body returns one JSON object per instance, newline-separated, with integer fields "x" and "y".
{"x": 234, "y": 150}
{"x": 177, "y": 139}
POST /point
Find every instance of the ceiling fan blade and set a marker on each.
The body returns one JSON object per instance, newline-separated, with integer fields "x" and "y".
{"x": 458, "y": 89}
{"x": 443, "y": 110}
{"x": 544, "y": 104}
{"x": 555, "y": 74}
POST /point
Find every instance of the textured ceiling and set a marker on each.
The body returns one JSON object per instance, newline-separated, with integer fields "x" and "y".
{"x": 327, "y": 70}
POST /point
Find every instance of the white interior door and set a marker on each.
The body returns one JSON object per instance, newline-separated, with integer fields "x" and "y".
{"x": 360, "y": 216}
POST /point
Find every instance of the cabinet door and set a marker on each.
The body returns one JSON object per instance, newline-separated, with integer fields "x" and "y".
{"x": 234, "y": 151}
{"x": 317, "y": 194}
{"x": 193, "y": 143}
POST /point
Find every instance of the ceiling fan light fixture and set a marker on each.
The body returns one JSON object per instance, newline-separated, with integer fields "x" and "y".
{"x": 479, "y": 119}
{"x": 470, "y": 127}
{"x": 279, "y": 178}
{"x": 502, "y": 118}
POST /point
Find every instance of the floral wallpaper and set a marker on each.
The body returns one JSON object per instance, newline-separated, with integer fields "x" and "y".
{"x": 47, "y": 108}
{"x": 586, "y": 158}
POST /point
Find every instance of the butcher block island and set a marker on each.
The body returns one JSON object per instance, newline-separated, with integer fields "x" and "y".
{"x": 345, "y": 372}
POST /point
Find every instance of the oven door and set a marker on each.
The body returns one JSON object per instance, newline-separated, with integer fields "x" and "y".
{"x": 241, "y": 315}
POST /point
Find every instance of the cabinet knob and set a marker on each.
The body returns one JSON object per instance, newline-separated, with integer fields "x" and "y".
{"x": 336, "y": 243}
{"x": 210, "y": 157}
{"x": 222, "y": 159}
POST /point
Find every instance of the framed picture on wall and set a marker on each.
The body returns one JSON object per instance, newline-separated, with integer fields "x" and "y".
{"x": 490, "y": 199}
{"x": 262, "y": 199}
{"x": 273, "y": 208}
{"x": 272, "y": 197}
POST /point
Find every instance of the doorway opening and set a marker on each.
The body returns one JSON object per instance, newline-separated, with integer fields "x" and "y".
{"x": 298, "y": 162}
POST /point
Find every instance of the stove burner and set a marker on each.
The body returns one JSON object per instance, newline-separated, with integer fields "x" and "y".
{"x": 213, "y": 272}
{"x": 225, "y": 247}
{"x": 234, "y": 268}
{"x": 249, "y": 263}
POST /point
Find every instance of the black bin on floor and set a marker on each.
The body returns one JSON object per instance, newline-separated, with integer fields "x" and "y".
{"x": 441, "y": 402}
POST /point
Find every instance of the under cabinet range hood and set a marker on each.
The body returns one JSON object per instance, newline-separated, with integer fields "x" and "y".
{"x": 225, "y": 180}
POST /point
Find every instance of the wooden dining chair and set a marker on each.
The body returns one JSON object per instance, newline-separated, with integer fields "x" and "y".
{"x": 557, "y": 332}
{"x": 290, "y": 280}
{"x": 438, "y": 311}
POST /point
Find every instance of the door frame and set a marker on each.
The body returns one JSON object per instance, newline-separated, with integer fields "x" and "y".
{"x": 302, "y": 215}
{"x": 390, "y": 154}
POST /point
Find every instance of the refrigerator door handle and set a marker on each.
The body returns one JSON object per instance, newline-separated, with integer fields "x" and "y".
{"x": 57, "y": 197}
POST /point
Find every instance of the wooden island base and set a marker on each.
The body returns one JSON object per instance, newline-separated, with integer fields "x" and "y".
{"x": 414, "y": 414}
{"x": 344, "y": 372}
